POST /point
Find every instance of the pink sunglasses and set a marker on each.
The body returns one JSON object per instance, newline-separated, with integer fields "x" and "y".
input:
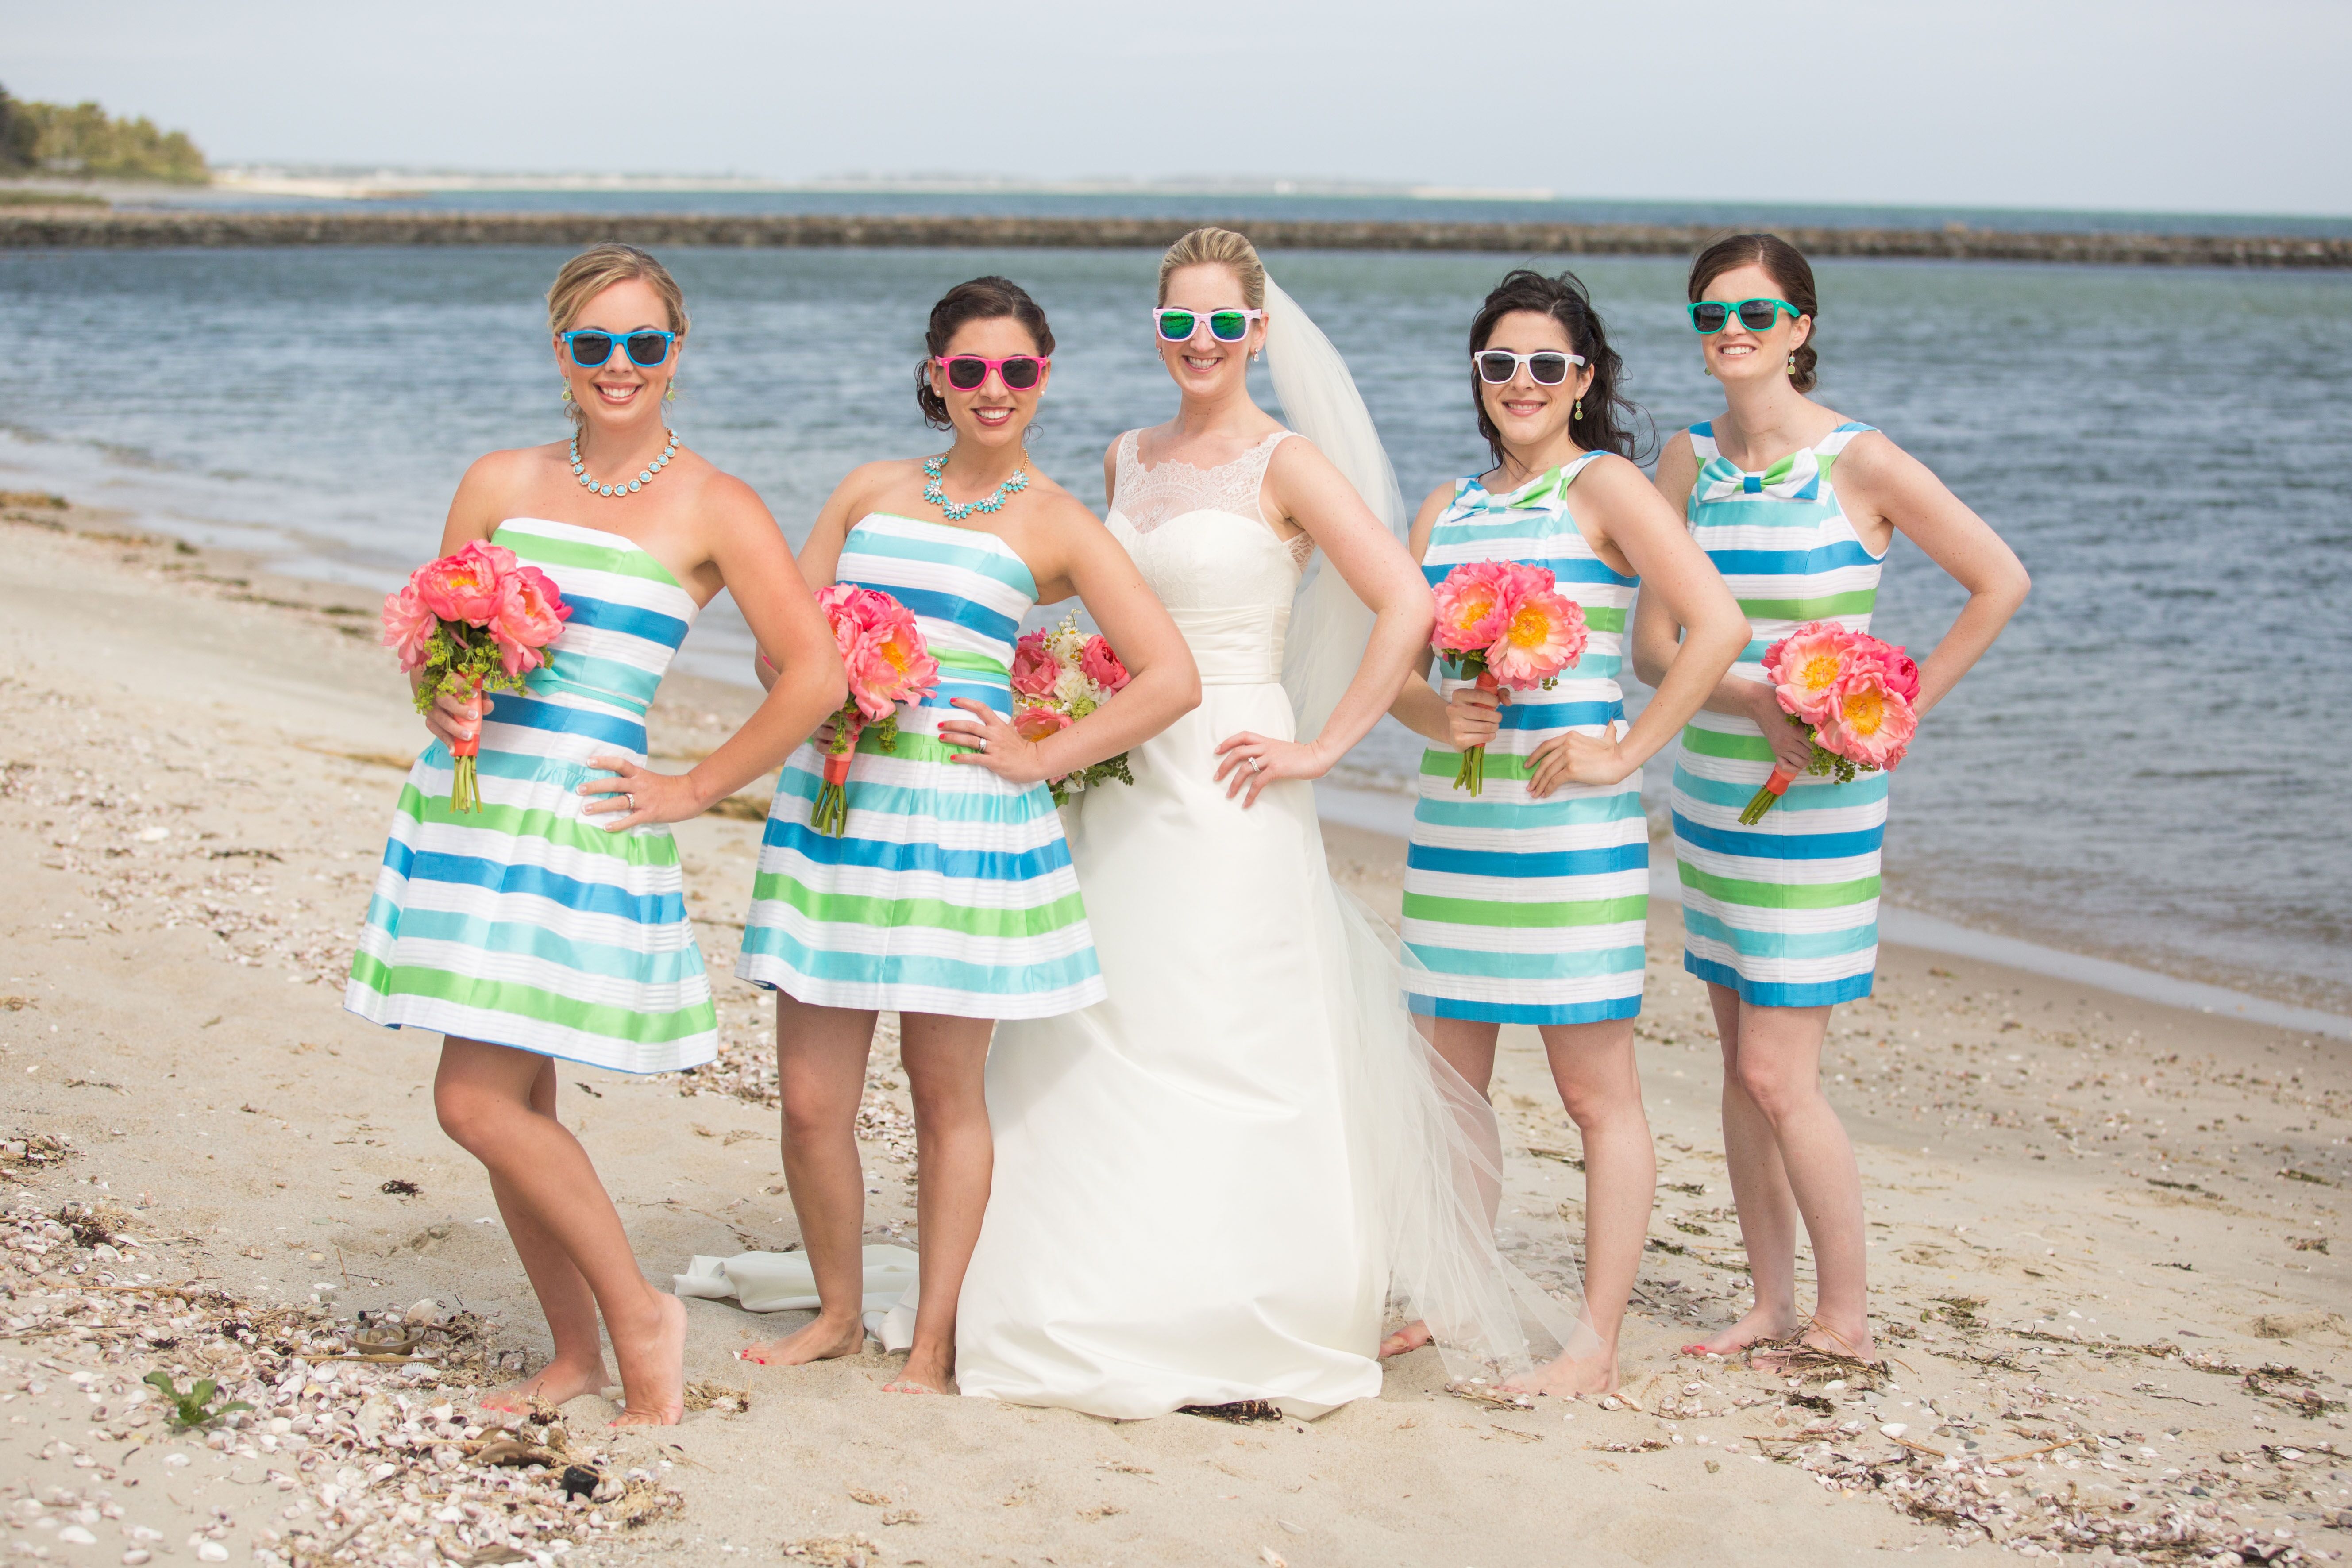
{"x": 968, "y": 373}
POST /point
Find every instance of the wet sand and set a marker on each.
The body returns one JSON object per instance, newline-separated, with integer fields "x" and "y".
{"x": 2106, "y": 1233}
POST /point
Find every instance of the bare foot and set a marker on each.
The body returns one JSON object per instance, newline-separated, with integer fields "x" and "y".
{"x": 653, "y": 1370}
{"x": 1412, "y": 1337}
{"x": 554, "y": 1384}
{"x": 1571, "y": 1375}
{"x": 1758, "y": 1327}
{"x": 821, "y": 1340}
{"x": 1820, "y": 1336}
{"x": 926, "y": 1371}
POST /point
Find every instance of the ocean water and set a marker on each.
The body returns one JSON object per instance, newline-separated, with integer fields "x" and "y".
{"x": 2152, "y": 765}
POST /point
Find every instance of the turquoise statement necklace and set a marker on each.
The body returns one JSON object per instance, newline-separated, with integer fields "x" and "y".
{"x": 644, "y": 475}
{"x": 957, "y": 511}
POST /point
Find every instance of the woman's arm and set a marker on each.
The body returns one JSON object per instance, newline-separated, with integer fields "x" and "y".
{"x": 1632, "y": 516}
{"x": 820, "y": 557}
{"x": 1305, "y": 488}
{"x": 757, "y": 567}
{"x": 1163, "y": 686}
{"x": 1875, "y": 474}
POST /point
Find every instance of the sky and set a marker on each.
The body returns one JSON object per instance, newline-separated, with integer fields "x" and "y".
{"x": 2145, "y": 105}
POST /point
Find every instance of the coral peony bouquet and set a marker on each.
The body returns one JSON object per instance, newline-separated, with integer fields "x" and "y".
{"x": 882, "y": 648}
{"x": 1851, "y": 693}
{"x": 475, "y": 621}
{"x": 1503, "y": 624}
{"x": 1058, "y": 678}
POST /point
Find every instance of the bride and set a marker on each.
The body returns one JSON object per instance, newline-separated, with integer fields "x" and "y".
{"x": 1208, "y": 1186}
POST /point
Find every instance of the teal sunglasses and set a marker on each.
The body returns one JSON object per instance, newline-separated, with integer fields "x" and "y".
{"x": 1711, "y": 316}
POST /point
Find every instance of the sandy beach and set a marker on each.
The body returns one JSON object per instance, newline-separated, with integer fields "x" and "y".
{"x": 2104, "y": 1231}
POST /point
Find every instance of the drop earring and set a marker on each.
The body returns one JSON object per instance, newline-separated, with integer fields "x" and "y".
{"x": 567, "y": 391}
{"x": 1578, "y": 411}
{"x": 1792, "y": 364}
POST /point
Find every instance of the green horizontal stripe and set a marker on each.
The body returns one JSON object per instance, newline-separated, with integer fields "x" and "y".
{"x": 1716, "y": 744}
{"x": 530, "y": 1002}
{"x": 1604, "y": 617}
{"x": 1500, "y": 765}
{"x": 567, "y": 831}
{"x": 1857, "y": 603}
{"x": 959, "y": 658}
{"x": 1482, "y": 913}
{"x": 884, "y": 914}
{"x": 1778, "y": 895}
{"x": 539, "y": 549}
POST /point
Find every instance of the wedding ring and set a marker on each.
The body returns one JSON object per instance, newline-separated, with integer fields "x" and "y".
{"x": 1257, "y": 765}
{"x": 980, "y": 744}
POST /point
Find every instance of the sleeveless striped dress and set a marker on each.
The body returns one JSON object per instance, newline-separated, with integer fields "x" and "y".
{"x": 1785, "y": 912}
{"x": 1518, "y": 911}
{"x": 526, "y": 924}
{"x": 950, "y": 891}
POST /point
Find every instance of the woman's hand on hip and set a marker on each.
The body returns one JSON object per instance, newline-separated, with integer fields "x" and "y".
{"x": 636, "y": 796}
{"x": 1253, "y": 761}
{"x": 1573, "y": 758}
{"x": 988, "y": 739}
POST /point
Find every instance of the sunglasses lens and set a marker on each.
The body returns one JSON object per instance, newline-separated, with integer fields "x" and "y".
{"x": 649, "y": 348}
{"x": 1228, "y": 326}
{"x": 590, "y": 350}
{"x": 1758, "y": 315}
{"x": 1021, "y": 374}
{"x": 1497, "y": 368}
{"x": 1177, "y": 326}
{"x": 963, "y": 375}
{"x": 1550, "y": 370}
{"x": 1709, "y": 317}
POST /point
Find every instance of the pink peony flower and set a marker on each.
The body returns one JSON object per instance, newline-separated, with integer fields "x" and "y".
{"x": 408, "y": 626}
{"x": 1545, "y": 635}
{"x": 1033, "y": 669}
{"x": 890, "y": 664}
{"x": 1806, "y": 666}
{"x": 466, "y": 584}
{"x": 1101, "y": 666}
{"x": 530, "y": 615}
{"x": 1036, "y": 723}
{"x": 1902, "y": 676}
{"x": 1475, "y": 603}
{"x": 1868, "y": 721}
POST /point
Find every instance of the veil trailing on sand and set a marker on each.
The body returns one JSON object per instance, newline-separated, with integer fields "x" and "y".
{"x": 1426, "y": 1146}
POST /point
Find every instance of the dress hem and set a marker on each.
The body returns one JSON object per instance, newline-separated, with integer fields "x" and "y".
{"x": 700, "y": 1049}
{"x": 1773, "y": 994}
{"x": 1520, "y": 1013}
{"x": 887, "y": 998}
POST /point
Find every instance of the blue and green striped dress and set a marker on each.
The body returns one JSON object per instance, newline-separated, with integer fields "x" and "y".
{"x": 950, "y": 891}
{"x": 1785, "y": 912}
{"x": 1520, "y": 910}
{"x": 525, "y": 924}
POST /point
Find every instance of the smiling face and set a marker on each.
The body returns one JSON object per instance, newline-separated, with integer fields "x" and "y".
{"x": 619, "y": 392}
{"x": 1528, "y": 415}
{"x": 1203, "y": 366}
{"x": 991, "y": 414}
{"x": 1735, "y": 354}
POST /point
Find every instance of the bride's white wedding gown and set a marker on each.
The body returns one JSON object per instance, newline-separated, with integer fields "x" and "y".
{"x": 1184, "y": 1211}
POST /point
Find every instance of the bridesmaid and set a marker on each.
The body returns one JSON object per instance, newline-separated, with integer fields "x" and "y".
{"x": 950, "y": 898}
{"x": 1780, "y": 920}
{"x": 550, "y": 925}
{"x": 1525, "y": 904}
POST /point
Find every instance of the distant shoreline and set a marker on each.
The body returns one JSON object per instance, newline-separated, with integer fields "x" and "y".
{"x": 67, "y": 229}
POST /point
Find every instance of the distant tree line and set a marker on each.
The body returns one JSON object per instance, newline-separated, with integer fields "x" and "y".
{"x": 82, "y": 141}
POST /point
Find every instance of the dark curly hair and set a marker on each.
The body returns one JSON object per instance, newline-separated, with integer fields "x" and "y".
{"x": 981, "y": 300}
{"x": 1606, "y": 424}
{"x": 1791, "y": 273}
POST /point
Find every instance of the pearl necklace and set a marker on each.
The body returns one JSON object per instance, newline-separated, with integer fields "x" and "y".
{"x": 957, "y": 511}
{"x": 644, "y": 475}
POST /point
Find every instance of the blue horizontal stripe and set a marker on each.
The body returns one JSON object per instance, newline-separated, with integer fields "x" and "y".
{"x": 1564, "y": 567}
{"x": 980, "y": 864}
{"x": 939, "y": 805}
{"x": 1508, "y": 863}
{"x": 999, "y": 564}
{"x": 535, "y": 881}
{"x": 528, "y": 713}
{"x": 954, "y": 608}
{"x": 1760, "y": 994}
{"x": 1490, "y": 964}
{"x": 1531, "y": 813}
{"x": 996, "y": 694}
{"x": 980, "y": 980}
{"x": 1801, "y": 796}
{"x": 1780, "y": 943}
{"x": 609, "y": 615}
{"x": 1778, "y": 845}
{"x": 638, "y": 968}
{"x": 1516, "y": 714}
{"x": 1792, "y": 563}
{"x": 1509, "y": 1013}
{"x": 630, "y": 682}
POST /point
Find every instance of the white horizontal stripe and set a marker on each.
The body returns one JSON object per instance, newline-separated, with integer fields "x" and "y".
{"x": 1765, "y": 971}
{"x": 1773, "y": 869}
{"x": 904, "y": 998}
{"x": 1614, "y": 936}
{"x": 882, "y": 882}
{"x": 1557, "y": 839}
{"x": 1748, "y": 917}
{"x": 539, "y": 914}
{"x": 532, "y": 1034}
{"x": 1781, "y": 822}
{"x": 1526, "y": 990}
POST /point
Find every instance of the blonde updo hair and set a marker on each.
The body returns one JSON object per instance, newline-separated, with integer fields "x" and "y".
{"x": 1223, "y": 248}
{"x": 598, "y": 269}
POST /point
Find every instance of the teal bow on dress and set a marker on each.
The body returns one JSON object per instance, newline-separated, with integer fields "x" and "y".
{"x": 1797, "y": 477}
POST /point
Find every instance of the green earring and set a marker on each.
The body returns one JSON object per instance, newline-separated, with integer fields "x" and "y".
{"x": 1578, "y": 411}
{"x": 1792, "y": 361}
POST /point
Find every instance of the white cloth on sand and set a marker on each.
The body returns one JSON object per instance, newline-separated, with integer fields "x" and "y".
{"x": 783, "y": 1282}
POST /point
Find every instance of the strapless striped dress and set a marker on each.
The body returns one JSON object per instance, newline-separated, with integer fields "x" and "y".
{"x": 1520, "y": 911}
{"x": 950, "y": 891}
{"x": 1784, "y": 912}
{"x": 525, "y": 924}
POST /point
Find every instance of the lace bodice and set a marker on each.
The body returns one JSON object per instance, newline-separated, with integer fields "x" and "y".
{"x": 1202, "y": 542}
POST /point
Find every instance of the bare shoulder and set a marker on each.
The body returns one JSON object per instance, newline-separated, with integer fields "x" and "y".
{"x": 864, "y": 484}
{"x": 502, "y": 473}
{"x": 729, "y": 502}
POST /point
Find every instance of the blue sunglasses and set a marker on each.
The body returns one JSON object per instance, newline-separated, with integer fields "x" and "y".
{"x": 590, "y": 347}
